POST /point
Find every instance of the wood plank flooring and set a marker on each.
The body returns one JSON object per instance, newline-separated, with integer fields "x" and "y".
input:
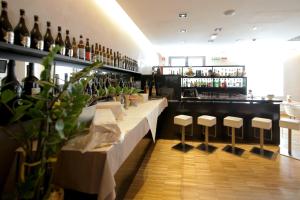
{"x": 169, "y": 174}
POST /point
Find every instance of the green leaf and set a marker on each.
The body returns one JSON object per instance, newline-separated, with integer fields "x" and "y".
{"x": 20, "y": 112}
{"x": 7, "y": 96}
{"x": 59, "y": 125}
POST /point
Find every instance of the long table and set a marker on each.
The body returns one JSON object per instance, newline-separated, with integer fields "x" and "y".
{"x": 93, "y": 172}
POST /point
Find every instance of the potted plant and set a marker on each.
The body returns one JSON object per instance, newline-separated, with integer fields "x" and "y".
{"x": 134, "y": 93}
{"x": 112, "y": 92}
{"x": 126, "y": 93}
{"x": 46, "y": 122}
{"x": 119, "y": 93}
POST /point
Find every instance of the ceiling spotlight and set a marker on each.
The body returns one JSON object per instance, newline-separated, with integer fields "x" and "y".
{"x": 254, "y": 39}
{"x": 254, "y": 28}
{"x": 213, "y": 36}
{"x": 182, "y": 30}
{"x": 218, "y": 29}
{"x": 230, "y": 12}
{"x": 182, "y": 15}
{"x": 210, "y": 40}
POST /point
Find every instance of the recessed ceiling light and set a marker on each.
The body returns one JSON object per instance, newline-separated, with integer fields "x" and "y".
{"x": 182, "y": 15}
{"x": 229, "y": 12}
{"x": 213, "y": 36}
{"x": 182, "y": 30}
{"x": 254, "y": 28}
{"x": 218, "y": 29}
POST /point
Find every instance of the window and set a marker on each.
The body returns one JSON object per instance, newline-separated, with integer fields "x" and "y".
{"x": 187, "y": 61}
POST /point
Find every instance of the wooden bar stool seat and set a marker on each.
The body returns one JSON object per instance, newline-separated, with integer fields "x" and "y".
{"x": 183, "y": 121}
{"x": 234, "y": 123}
{"x": 207, "y": 121}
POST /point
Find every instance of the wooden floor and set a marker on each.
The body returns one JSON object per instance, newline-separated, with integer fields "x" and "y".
{"x": 169, "y": 174}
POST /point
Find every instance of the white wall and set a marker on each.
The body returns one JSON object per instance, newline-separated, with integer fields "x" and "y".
{"x": 291, "y": 76}
{"x": 82, "y": 17}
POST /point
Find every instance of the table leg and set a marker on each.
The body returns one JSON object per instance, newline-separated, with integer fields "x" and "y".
{"x": 290, "y": 141}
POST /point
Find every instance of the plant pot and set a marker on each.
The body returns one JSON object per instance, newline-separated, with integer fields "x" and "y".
{"x": 118, "y": 98}
{"x": 126, "y": 101}
{"x": 133, "y": 100}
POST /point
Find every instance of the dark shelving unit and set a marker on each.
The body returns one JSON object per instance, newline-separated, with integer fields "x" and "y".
{"x": 15, "y": 52}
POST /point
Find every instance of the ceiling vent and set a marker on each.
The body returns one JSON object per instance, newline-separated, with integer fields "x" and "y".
{"x": 297, "y": 38}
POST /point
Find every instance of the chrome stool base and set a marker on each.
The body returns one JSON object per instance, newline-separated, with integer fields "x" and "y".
{"x": 263, "y": 152}
{"x": 236, "y": 150}
{"x": 207, "y": 148}
{"x": 183, "y": 147}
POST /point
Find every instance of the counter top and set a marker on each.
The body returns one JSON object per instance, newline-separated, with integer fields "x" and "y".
{"x": 231, "y": 99}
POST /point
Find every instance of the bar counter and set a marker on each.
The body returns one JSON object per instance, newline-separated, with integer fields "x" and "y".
{"x": 220, "y": 108}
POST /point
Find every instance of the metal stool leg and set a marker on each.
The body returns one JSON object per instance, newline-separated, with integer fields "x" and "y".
{"x": 261, "y": 151}
{"x": 290, "y": 142}
{"x": 206, "y": 146}
{"x": 232, "y": 148}
{"x": 233, "y": 138}
{"x": 182, "y": 146}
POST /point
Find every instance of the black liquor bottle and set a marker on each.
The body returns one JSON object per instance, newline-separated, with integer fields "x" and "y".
{"x": 6, "y": 30}
{"x": 68, "y": 45}
{"x": 37, "y": 41}
{"x": 60, "y": 42}
{"x": 22, "y": 36}
{"x": 30, "y": 84}
{"x": 48, "y": 38}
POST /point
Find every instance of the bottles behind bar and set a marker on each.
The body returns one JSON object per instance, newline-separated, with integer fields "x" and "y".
{"x": 37, "y": 41}
{"x": 48, "y": 38}
{"x": 81, "y": 49}
{"x": 60, "y": 42}
{"x": 87, "y": 50}
{"x": 56, "y": 83}
{"x": 30, "y": 85}
{"x": 22, "y": 36}
{"x": 68, "y": 45}
{"x": 6, "y": 33}
{"x": 74, "y": 48}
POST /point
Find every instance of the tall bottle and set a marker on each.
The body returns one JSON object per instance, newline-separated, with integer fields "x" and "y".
{"x": 6, "y": 33}
{"x": 60, "y": 42}
{"x": 56, "y": 83}
{"x": 37, "y": 41}
{"x": 96, "y": 53}
{"x": 107, "y": 57}
{"x": 100, "y": 53}
{"x": 104, "y": 55}
{"x": 48, "y": 38}
{"x": 74, "y": 48}
{"x": 81, "y": 48}
{"x": 87, "y": 50}
{"x": 30, "y": 85}
{"x": 22, "y": 36}
{"x": 68, "y": 45}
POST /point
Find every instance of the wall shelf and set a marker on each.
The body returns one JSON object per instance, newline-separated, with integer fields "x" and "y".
{"x": 15, "y": 52}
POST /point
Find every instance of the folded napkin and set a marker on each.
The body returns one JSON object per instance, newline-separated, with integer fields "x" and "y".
{"x": 104, "y": 130}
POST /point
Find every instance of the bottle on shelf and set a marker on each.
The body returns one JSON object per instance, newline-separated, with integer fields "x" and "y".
{"x": 96, "y": 53}
{"x": 68, "y": 45}
{"x": 48, "y": 38}
{"x": 104, "y": 55}
{"x": 111, "y": 57}
{"x": 30, "y": 85}
{"x": 87, "y": 50}
{"x": 37, "y": 41}
{"x": 92, "y": 53}
{"x": 107, "y": 57}
{"x": 56, "y": 83}
{"x": 10, "y": 82}
{"x": 60, "y": 42}
{"x": 100, "y": 53}
{"x": 66, "y": 78}
{"x": 81, "y": 48}
{"x": 22, "y": 36}
{"x": 74, "y": 48}
{"x": 6, "y": 33}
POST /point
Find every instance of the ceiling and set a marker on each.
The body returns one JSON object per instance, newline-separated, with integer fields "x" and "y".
{"x": 158, "y": 19}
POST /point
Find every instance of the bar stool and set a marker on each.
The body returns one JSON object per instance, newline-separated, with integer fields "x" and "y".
{"x": 290, "y": 124}
{"x": 262, "y": 124}
{"x": 233, "y": 122}
{"x": 207, "y": 121}
{"x": 183, "y": 121}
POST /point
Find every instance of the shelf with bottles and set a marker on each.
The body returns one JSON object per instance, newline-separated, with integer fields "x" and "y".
{"x": 214, "y": 82}
{"x": 32, "y": 46}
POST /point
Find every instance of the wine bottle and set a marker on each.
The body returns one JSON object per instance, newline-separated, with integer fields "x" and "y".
{"x": 107, "y": 57}
{"x": 48, "y": 39}
{"x": 60, "y": 42}
{"x": 92, "y": 53}
{"x": 37, "y": 41}
{"x": 56, "y": 83}
{"x": 22, "y": 36}
{"x": 10, "y": 82}
{"x": 74, "y": 48}
{"x": 87, "y": 50}
{"x": 104, "y": 55}
{"x": 68, "y": 45}
{"x": 6, "y": 30}
{"x": 81, "y": 48}
{"x": 100, "y": 54}
{"x": 30, "y": 85}
{"x": 96, "y": 53}
{"x": 111, "y": 57}
{"x": 115, "y": 59}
